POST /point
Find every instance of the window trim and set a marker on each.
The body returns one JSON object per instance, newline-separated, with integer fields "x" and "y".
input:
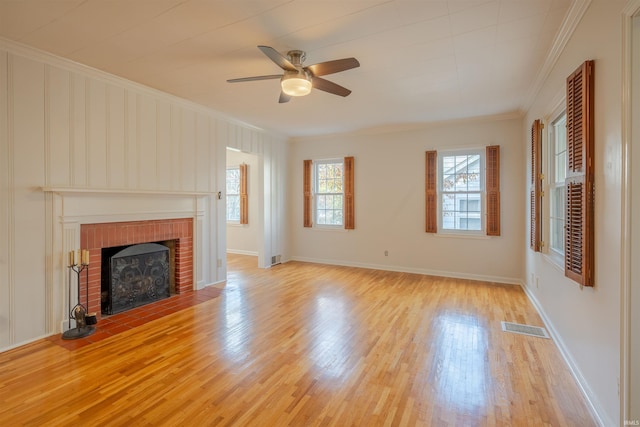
{"x": 348, "y": 193}
{"x": 244, "y": 194}
{"x": 481, "y": 151}
{"x": 552, "y": 256}
{"x": 227, "y": 194}
{"x": 315, "y": 193}
{"x": 556, "y": 256}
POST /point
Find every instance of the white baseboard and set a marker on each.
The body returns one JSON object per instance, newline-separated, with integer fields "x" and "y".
{"x": 23, "y": 343}
{"x": 241, "y": 252}
{"x": 402, "y": 269}
{"x": 592, "y": 402}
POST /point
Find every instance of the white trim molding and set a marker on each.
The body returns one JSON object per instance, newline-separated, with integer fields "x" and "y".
{"x": 571, "y": 20}
{"x": 571, "y": 364}
{"x": 631, "y": 10}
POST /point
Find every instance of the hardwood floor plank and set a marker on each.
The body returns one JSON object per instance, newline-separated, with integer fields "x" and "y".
{"x": 308, "y": 345}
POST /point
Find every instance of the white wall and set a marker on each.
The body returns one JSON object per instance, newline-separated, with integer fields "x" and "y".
{"x": 586, "y": 322}
{"x": 72, "y": 136}
{"x": 390, "y": 203}
{"x": 244, "y": 238}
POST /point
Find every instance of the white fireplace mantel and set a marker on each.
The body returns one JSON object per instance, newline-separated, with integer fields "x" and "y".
{"x": 69, "y": 208}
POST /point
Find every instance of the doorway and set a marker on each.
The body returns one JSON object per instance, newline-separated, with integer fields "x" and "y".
{"x": 242, "y": 238}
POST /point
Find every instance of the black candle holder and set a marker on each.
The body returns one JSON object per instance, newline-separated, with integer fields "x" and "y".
{"x": 79, "y": 311}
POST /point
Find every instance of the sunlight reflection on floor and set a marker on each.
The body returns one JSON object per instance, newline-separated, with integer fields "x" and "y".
{"x": 461, "y": 364}
{"x": 330, "y": 348}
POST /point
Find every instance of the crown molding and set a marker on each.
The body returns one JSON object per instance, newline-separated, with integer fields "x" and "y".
{"x": 571, "y": 20}
{"x": 122, "y": 191}
{"x": 413, "y": 126}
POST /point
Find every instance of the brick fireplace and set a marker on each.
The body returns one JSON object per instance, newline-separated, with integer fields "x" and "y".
{"x": 95, "y": 237}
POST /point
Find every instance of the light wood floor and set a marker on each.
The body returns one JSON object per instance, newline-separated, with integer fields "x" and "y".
{"x": 305, "y": 345}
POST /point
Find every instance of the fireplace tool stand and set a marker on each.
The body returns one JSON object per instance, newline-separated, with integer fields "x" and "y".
{"x": 79, "y": 311}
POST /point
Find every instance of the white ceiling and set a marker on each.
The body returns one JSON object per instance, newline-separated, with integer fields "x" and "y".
{"x": 421, "y": 60}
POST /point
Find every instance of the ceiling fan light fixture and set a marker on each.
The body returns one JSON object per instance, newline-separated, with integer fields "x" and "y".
{"x": 296, "y": 85}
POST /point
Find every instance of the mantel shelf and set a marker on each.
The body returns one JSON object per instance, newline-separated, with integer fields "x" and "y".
{"x": 80, "y": 190}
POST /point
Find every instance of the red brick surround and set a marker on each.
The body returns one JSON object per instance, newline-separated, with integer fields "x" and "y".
{"x": 94, "y": 237}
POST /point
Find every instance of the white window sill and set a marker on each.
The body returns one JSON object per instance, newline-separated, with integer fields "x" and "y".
{"x": 323, "y": 228}
{"x": 461, "y": 236}
{"x": 556, "y": 260}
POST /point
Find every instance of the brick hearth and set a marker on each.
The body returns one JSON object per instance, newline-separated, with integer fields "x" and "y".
{"x": 94, "y": 237}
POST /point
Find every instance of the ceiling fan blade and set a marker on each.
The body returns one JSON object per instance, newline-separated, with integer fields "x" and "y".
{"x": 250, "y": 79}
{"x": 284, "y": 98}
{"x": 278, "y": 58}
{"x": 330, "y": 67}
{"x": 331, "y": 87}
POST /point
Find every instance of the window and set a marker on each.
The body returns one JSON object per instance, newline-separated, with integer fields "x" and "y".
{"x": 571, "y": 179}
{"x": 557, "y": 176}
{"x": 233, "y": 194}
{"x": 462, "y": 189}
{"x": 461, "y": 185}
{"x": 237, "y": 195}
{"x": 328, "y": 187}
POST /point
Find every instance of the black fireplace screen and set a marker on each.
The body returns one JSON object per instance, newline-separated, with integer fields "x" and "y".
{"x": 139, "y": 275}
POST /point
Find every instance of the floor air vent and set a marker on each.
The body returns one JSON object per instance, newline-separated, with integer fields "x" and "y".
{"x": 517, "y": 328}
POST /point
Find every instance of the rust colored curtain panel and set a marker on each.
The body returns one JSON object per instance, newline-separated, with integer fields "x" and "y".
{"x": 579, "y": 235}
{"x": 493, "y": 190}
{"x": 244, "y": 198}
{"x": 431, "y": 191}
{"x": 536, "y": 186}
{"x": 306, "y": 188}
{"x": 349, "y": 207}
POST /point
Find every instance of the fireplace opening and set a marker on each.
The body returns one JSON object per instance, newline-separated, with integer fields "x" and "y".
{"x": 136, "y": 275}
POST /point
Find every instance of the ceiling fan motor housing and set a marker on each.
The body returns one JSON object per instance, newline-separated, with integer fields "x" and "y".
{"x": 297, "y": 57}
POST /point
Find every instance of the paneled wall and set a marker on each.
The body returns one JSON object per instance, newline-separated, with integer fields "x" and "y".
{"x": 66, "y": 131}
{"x": 99, "y": 135}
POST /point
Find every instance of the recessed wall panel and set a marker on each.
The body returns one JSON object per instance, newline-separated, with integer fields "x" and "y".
{"x": 28, "y": 251}
{"x": 176, "y": 148}
{"x": 131, "y": 141}
{"x": 163, "y": 138}
{"x": 147, "y": 150}
{"x": 6, "y": 206}
{"x": 188, "y": 148}
{"x": 97, "y": 134}
{"x": 58, "y": 127}
{"x": 203, "y": 169}
{"x": 116, "y": 148}
{"x": 78, "y": 134}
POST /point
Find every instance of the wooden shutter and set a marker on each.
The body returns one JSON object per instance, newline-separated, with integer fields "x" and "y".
{"x": 349, "y": 211}
{"x": 579, "y": 235}
{"x": 536, "y": 186}
{"x": 431, "y": 192}
{"x": 493, "y": 190}
{"x": 306, "y": 184}
{"x": 244, "y": 199}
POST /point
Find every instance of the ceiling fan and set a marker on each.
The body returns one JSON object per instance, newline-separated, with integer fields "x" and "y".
{"x": 298, "y": 80}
